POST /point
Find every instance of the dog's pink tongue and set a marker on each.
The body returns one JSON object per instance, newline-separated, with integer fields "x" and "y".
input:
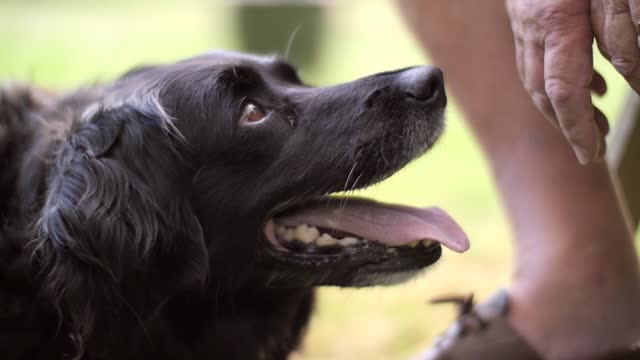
{"x": 392, "y": 225}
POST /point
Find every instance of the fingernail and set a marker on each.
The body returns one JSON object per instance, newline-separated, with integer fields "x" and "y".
{"x": 584, "y": 156}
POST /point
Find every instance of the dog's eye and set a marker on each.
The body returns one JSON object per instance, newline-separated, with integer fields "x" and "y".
{"x": 252, "y": 113}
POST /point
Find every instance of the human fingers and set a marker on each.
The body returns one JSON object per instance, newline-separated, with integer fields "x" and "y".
{"x": 568, "y": 77}
{"x": 601, "y": 121}
{"x": 535, "y": 82}
{"x": 598, "y": 84}
{"x": 621, "y": 38}
{"x": 529, "y": 49}
{"x": 517, "y": 37}
{"x": 598, "y": 20}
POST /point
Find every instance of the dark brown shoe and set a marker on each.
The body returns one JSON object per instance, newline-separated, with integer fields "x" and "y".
{"x": 482, "y": 332}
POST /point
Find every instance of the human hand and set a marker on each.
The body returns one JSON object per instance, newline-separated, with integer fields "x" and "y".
{"x": 616, "y": 24}
{"x": 554, "y": 56}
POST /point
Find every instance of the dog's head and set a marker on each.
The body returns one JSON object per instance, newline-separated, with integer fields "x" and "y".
{"x": 219, "y": 169}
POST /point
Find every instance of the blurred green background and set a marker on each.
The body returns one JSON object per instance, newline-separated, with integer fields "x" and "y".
{"x": 64, "y": 44}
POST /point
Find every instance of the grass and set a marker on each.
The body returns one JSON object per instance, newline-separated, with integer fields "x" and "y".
{"x": 68, "y": 43}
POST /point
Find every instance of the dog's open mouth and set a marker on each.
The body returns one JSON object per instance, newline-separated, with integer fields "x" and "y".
{"x": 340, "y": 225}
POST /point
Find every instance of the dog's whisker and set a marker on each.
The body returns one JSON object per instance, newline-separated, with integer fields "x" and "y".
{"x": 353, "y": 167}
{"x": 355, "y": 183}
{"x": 233, "y": 67}
{"x": 344, "y": 199}
{"x": 290, "y": 41}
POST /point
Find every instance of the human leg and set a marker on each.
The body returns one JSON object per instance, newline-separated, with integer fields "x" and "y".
{"x": 576, "y": 284}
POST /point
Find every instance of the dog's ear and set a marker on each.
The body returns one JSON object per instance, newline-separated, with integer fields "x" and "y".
{"x": 116, "y": 230}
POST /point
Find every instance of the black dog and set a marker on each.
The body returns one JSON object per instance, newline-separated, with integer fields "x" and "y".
{"x": 182, "y": 211}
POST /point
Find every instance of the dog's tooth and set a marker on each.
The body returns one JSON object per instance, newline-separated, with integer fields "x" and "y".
{"x": 413, "y": 244}
{"x": 280, "y": 230}
{"x": 326, "y": 240}
{"x": 427, "y": 242}
{"x": 307, "y": 234}
{"x": 302, "y": 233}
{"x": 348, "y": 241}
{"x": 289, "y": 235}
{"x": 313, "y": 232}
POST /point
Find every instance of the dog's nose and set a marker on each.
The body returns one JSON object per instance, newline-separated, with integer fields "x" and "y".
{"x": 423, "y": 84}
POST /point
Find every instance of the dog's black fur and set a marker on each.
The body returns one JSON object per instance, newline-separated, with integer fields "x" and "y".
{"x": 132, "y": 215}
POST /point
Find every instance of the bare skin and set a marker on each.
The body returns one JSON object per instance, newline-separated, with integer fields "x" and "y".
{"x": 554, "y": 57}
{"x": 576, "y": 283}
{"x": 616, "y": 26}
